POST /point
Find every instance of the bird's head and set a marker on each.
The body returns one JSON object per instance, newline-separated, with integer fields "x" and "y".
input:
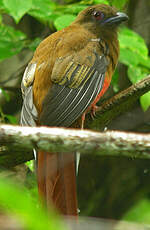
{"x": 101, "y": 18}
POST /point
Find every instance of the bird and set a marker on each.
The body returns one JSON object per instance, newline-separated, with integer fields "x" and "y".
{"x": 70, "y": 71}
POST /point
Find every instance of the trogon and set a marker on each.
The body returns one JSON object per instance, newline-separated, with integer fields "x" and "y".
{"x": 70, "y": 71}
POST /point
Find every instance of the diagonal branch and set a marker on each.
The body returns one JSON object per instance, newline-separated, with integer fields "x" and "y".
{"x": 118, "y": 104}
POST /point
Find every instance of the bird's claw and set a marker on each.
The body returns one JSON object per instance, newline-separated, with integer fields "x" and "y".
{"x": 93, "y": 111}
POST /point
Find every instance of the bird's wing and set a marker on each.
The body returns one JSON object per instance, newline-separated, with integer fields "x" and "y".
{"x": 72, "y": 92}
{"x": 29, "y": 113}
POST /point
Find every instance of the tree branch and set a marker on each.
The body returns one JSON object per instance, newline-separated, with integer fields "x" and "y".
{"x": 114, "y": 143}
{"x": 17, "y": 142}
{"x": 118, "y": 104}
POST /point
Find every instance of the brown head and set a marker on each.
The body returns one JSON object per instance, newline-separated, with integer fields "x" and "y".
{"x": 101, "y": 19}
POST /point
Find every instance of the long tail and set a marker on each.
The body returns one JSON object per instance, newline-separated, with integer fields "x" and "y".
{"x": 57, "y": 181}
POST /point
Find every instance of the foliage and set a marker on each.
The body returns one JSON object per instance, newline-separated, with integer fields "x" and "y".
{"x": 11, "y": 41}
{"x": 17, "y": 8}
{"x": 133, "y": 50}
{"x": 25, "y": 209}
{"x": 118, "y": 3}
{"x": 133, "y": 54}
{"x": 63, "y": 21}
{"x": 139, "y": 212}
{"x": 6, "y": 118}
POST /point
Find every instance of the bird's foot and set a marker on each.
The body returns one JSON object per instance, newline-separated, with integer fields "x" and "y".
{"x": 93, "y": 111}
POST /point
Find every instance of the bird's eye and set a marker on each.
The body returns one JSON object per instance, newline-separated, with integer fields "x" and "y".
{"x": 98, "y": 15}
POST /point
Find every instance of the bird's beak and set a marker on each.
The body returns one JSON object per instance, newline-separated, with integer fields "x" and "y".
{"x": 117, "y": 19}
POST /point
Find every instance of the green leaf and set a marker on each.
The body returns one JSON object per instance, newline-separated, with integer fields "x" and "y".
{"x": 11, "y": 41}
{"x": 6, "y": 95}
{"x": 33, "y": 45}
{"x": 11, "y": 119}
{"x": 136, "y": 74}
{"x": 42, "y": 10}
{"x": 101, "y": 1}
{"x": 17, "y": 8}
{"x": 130, "y": 40}
{"x": 145, "y": 101}
{"x": 1, "y": 19}
{"x": 140, "y": 212}
{"x": 133, "y": 50}
{"x": 114, "y": 81}
{"x": 21, "y": 204}
{"x": 2, "y": 7}
{"x": 128, "y": 57}
{"x": 145, "y": 62}
{"x": 30, "y": 164}
{"x": 118, "y": 3}
{"x": 134, "y": 54}
{"x": 63, "y": 21}
{"x": 74, "y": 8}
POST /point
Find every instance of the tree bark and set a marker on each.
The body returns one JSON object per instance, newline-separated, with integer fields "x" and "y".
{"x": 115, "y": 143}
{"x": 16, "y": 143}
{"x": 118, "y": 104}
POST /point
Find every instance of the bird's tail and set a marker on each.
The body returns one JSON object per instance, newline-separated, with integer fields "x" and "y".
{"x": 57, "y": 181}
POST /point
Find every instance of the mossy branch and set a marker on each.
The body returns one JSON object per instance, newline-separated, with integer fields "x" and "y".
{"x": 16, "y": 143}
{"x": 118, "y": 104}
{"x": 24, "y": 139}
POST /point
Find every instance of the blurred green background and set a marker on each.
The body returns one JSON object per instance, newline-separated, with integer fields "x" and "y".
{"x": 113, "y": 188}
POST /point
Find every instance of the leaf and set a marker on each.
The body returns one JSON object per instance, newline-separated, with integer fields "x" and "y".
{"x": 42, "y": 10}
{"x": 33, "y": 45}
{"x": 136, "y": 74}
{"x": 30, "y": 164}
{"x": 11, "y": 119}
{"x": 114, "y": 81}
{"x": 1, "y": 18}
{"x": 101, "y": 1}
{"x": 74, "y": 8}
{"x": 2, "y": 7}
{"x": 17, "y": 8}
{"x": 140, "y": 212}
{"x": 145, "y": 101}
{"x": 63, "y": 21}
{"x": 118, "y": 3}
{"x": 6, "y": 95}
{"x": 133, "y": 50}
{"x": 134, "y": 54}
{"x": 21, "y": 204}
{"x": 128, "y": 57}
{"x": 145, "y": 62}
{"x": 130, "y": 40}
{"x": 11, "y": 41}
